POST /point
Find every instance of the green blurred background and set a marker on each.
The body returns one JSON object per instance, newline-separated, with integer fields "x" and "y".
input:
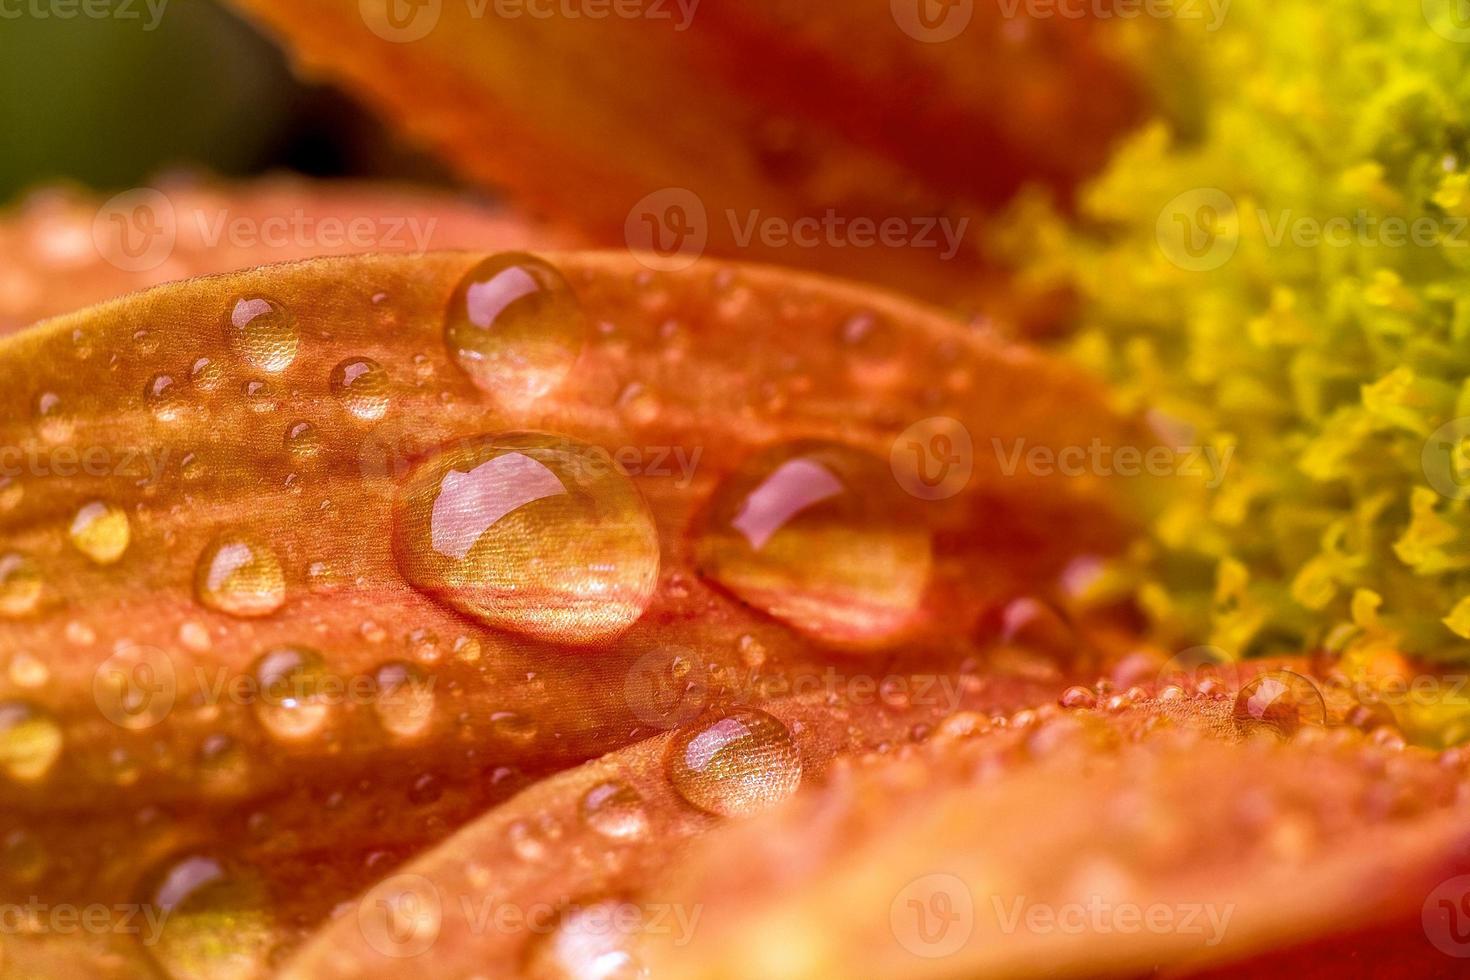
{"x": 111, "y": 104}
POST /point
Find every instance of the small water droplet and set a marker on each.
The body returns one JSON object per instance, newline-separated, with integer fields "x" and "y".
{"x": 240, "y": 576}
{"x": 1077, "y": 697}
{"x": 261, "y": 397}
{"x": 28, "y": 670}
{"x": 294, "y": 692}
{"x": 1281, "y": 701}
{"x": 263, "y": 333}
{"x": 614, "y": 809}
{"x": 20, "y": 584}
{"x": 165, "y": 399}
{"x": 737, "y": 765}
{"x": 206, "y": 375}
{"x": 818, "y": 535}
{"x": 215, "y": 917}
{"x": 515, "y": 326}
{"x": 101, "y": 531}
{"x": 529, "y": 532}
{"x": 30, "y": 741}
{"x": 404, "y": 701}
{"x": 303, "y": 442}
{"x": 361, "y": 387}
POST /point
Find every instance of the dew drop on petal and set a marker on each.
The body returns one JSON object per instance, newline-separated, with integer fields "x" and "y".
{"x": 1281, "y": 701}
{"x": 263, "y": 333}
{"x": 215, "y": 916}
{"x": 591, "y": 942}
{"x": 515, "y": 326}
{"x": 303, "y": 441}
{"x": 240, "y": 576}
{"x": 30, "y": 741}
{"x": 294, "y": 692}
{"x": 528, "y": 532}
{"x": 737, "y": 765}
{"x": 361, "y": 387}
{"x": 20, "y": 584}
{"x": 165, "y": 399}
{"x": 615, "y": 810}
{"x": 818, "y": 535}
{"x": 101, "y": 531}
{"x": 404, "y": 699}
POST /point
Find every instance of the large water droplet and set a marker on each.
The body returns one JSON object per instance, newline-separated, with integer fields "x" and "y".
{"x": 215, "y": 917}
{"x": 263, "y": 332}
{"x": 591, "y": 942}
{"x": 30, "y": 740}
{"x": 1281, "y": 702}
{"x": 239, "y": 575}
{"x": 737, "y": 765}
{"x": 405, "y": 699}
{"x": 101, "y": 532}
{"x": 614, "y": 809}
{"x": 294, "y": 700}
{"x": 362, "y": 388}
{"x": 818, "y": 535}
{"x": 514, "y": 326}
{"x": 20, "y": 584}
{"x": 529, "y": 532}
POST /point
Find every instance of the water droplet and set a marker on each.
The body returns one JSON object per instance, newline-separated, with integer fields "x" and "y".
{"x": 817, "y": 535}
{"x": 165, "y": 399}
{"x": 264, "y": 333}
{"x": 261, "y": 397}
{"x": 28, "y": 670}
{"x": 529, "y": 532}
{"x": 591, "y": 943}
{"x": 239, "y": 575}
{"x": 362, "y": 388}
{"x": 405, "y": 699}
{"x": 1077, "y": 697}
{"x": 514, "y": 326}
{"x": 30, "y": 741}
{"x": 206, "y": 375}
{"x": 614, "y": 809}
{"x": 1281, "y": 701}
{"x": 20, "y": 584}
{"x": 737, "y": 765}
{"x": 294, "y": 699}
{"x": 303, "y": 442}
{"x": 101, "y": 532}
{"x": 216, "y": 922}
{"x": 513, "y": 727}
{"x": 12, "y": 492}
{"x": 22, "y": 856}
